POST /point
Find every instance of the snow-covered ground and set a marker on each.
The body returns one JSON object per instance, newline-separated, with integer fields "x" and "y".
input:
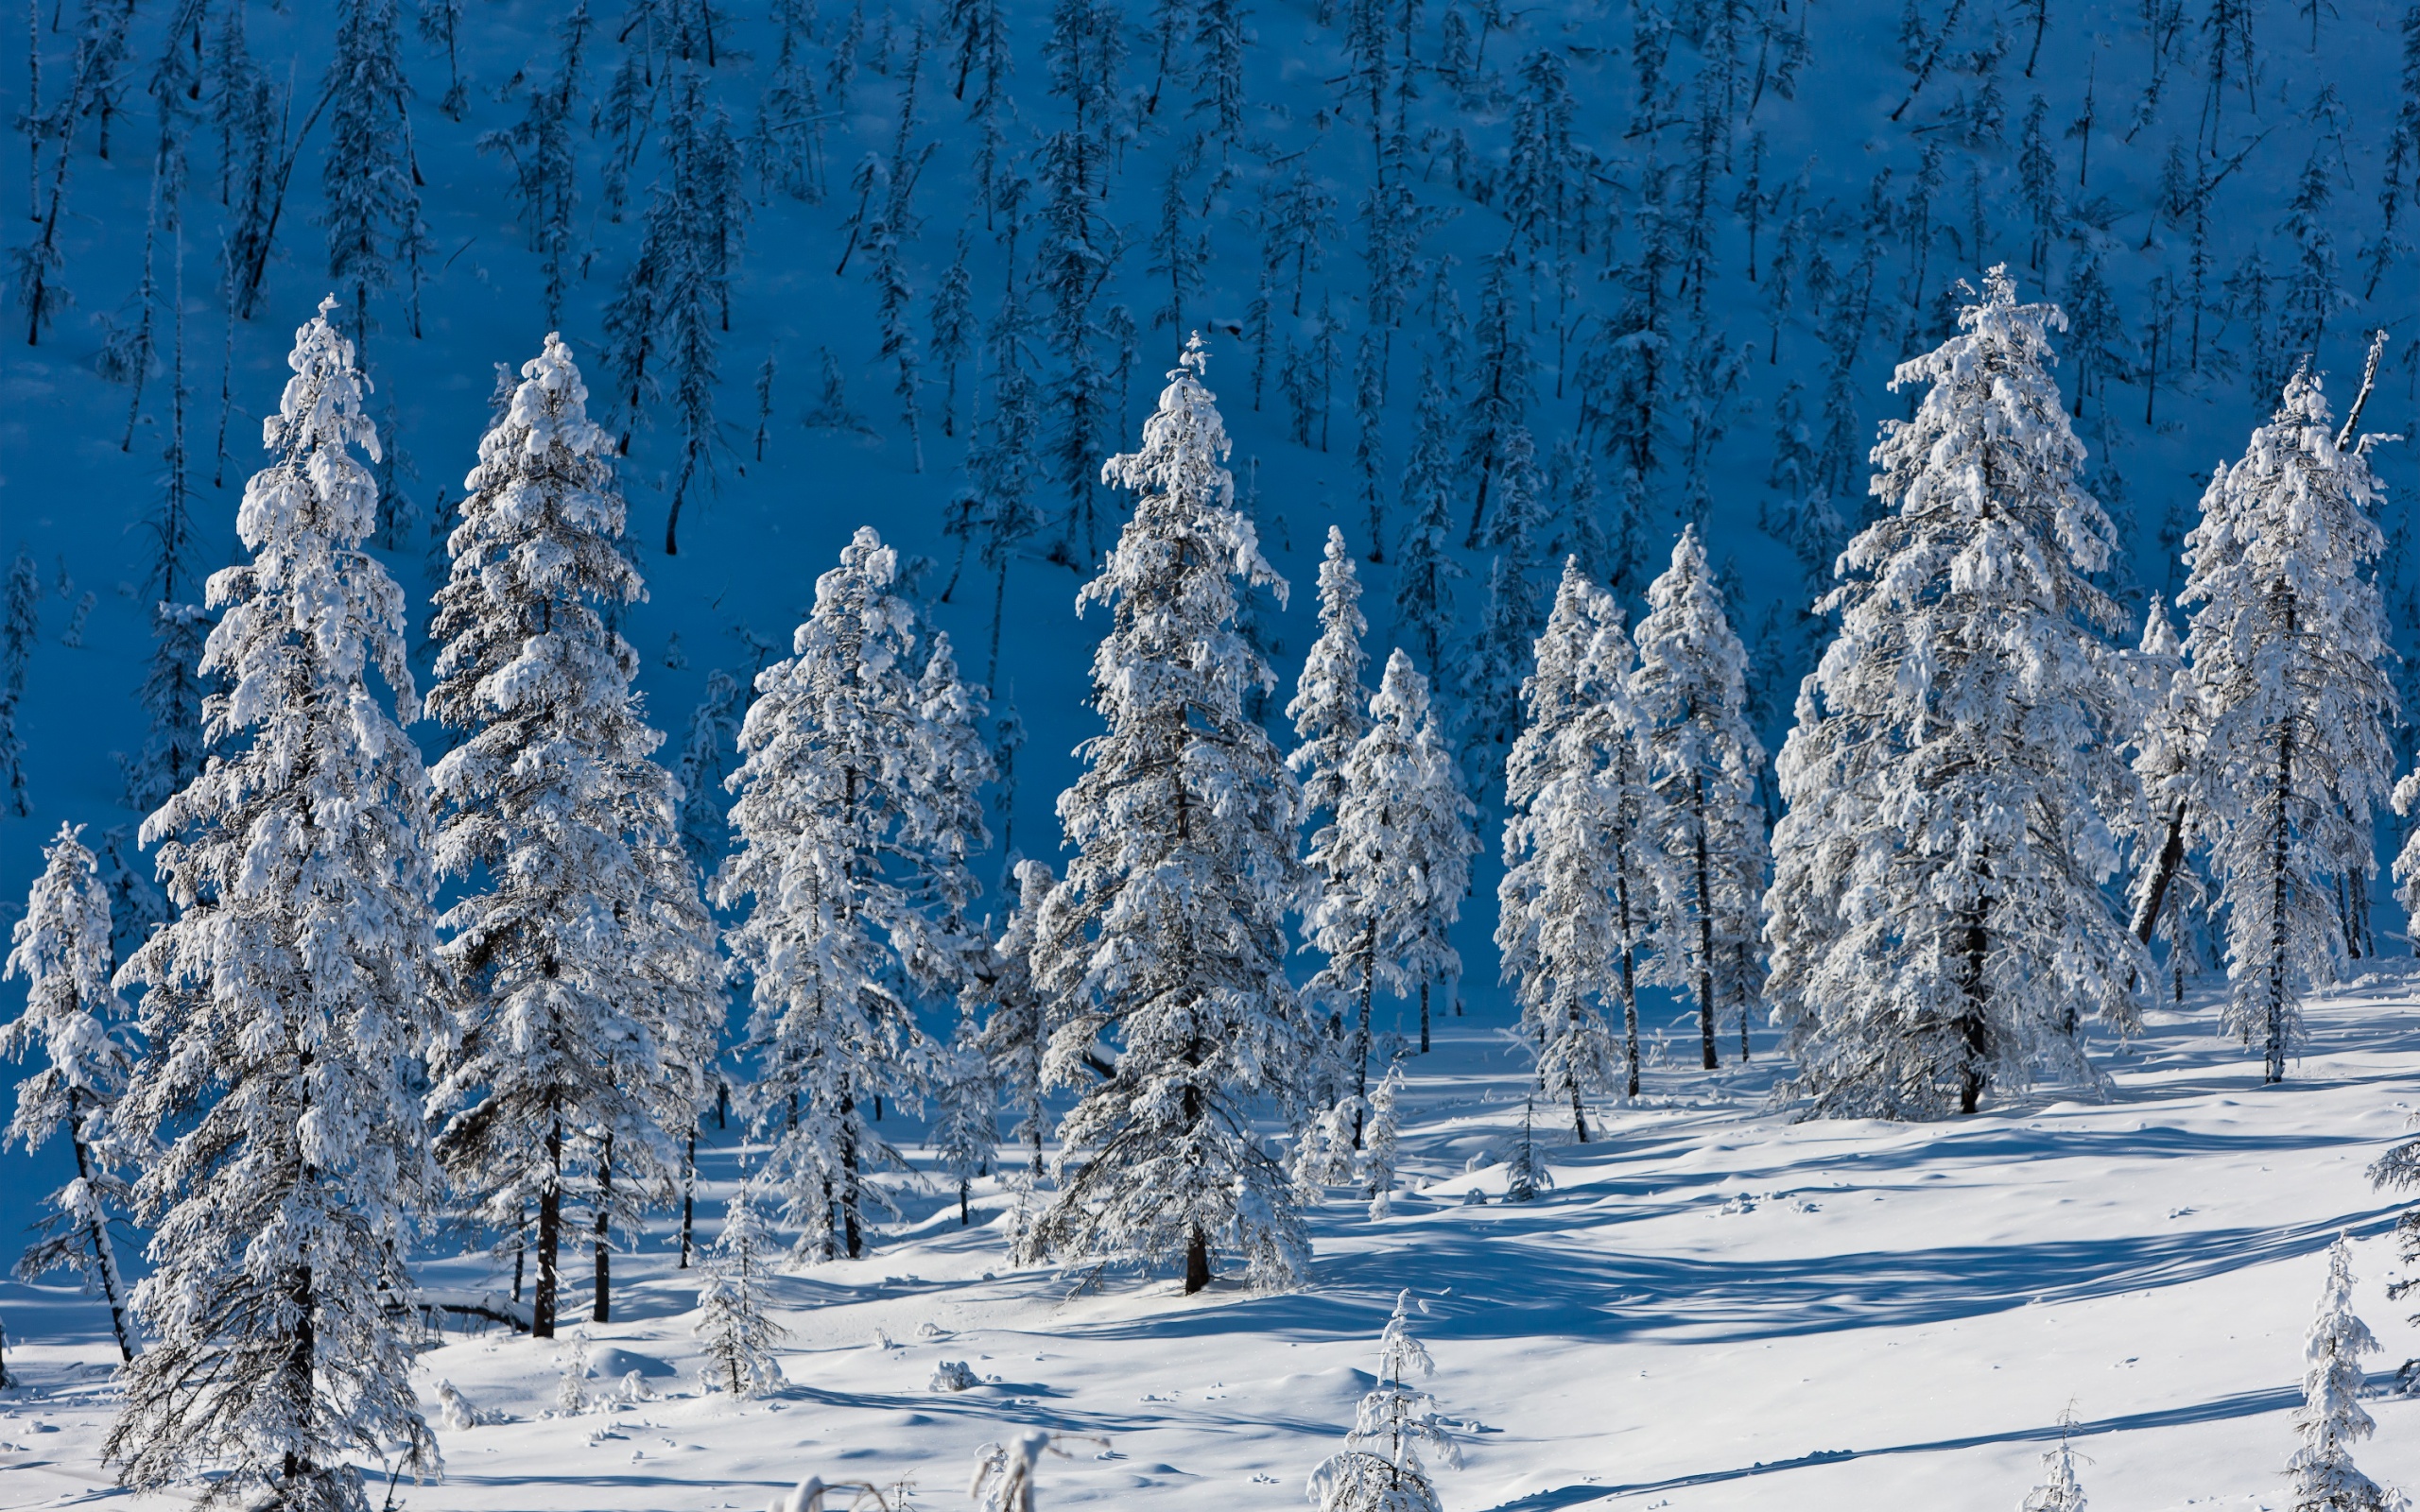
{"x": 1715, "y": 1308}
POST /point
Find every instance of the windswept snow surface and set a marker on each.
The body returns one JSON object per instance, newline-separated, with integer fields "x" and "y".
{"x": 1714, "y": 1308}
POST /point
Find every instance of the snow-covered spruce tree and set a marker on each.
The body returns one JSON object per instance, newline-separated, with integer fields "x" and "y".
{"x": 2060, "y": 1491}
{"x": 1166, "y": 936}
{"x": 1379, "y": 1141}
{"x": 855, "y": 814}
{"x": 1584, "y": 870}
{"x": 2331, "y": 1420}
{"x": 1424, "y": 568}
{"x": 1379, "y": 1469}
{"x": 286, "y": 1005}
{"x": 1392, "y": 863}
{"x": 737, "y": 1330}
{"x": 589, "y": 998}
{"x": 1966, "y": 724}
{"x": 2284, "y": 650}
{"x": 1330, "y": 709}
{"x": 707, "y": 751}
{"x": 1017, "y": 1032}
{"x": 372, "y": 216}
{"x": 1690, "y": 694}
{"x": 1498, "y": 662}
{"x": 1330, "y": 705}
{"x": 61, "y": 949}
{"x": 2167, "y": 891}
{"x": 966, "y": 1132}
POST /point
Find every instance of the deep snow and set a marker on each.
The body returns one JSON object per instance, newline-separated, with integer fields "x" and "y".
{"x": 1714, "y": 1308}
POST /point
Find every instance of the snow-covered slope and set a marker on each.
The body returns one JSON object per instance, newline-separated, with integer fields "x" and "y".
{"x": 1713, "y": 1309}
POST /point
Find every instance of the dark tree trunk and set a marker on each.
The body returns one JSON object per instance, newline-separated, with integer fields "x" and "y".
{"x": 688, "y": 1197}
{"x": 2164, "y": 869}
{"x": 104, "y": 1264}
{"x": 1706, "y": 928}
{"x": 601, "y": 1309}
{"x": 1197, "y": 1262}
{"x": 550, "y": 1231}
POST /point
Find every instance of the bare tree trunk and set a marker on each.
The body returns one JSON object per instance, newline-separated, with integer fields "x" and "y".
{"x": 688, "y": 1196}
{"x": 104, "y": 1257}
{"x": 2280, "y": 837}
{"x": 1361, "y": 1027}
{"x": 2164, "y": 869}
{"x": 601, "y": 1306}
{"x": 550, "y": 1226}
{"x": 1705, "y": 929}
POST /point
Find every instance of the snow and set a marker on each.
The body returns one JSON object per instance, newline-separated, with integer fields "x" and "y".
{"x": 1713, "y": 1309}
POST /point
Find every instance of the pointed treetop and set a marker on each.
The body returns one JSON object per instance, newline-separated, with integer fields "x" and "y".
{"x": 1195, "y": 355}
{"x": 317, "y": 418}
{"x": 2159, "y": 634}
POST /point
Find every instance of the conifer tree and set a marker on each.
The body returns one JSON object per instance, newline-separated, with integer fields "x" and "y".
{"x": 61, "y": 948}
{"x": 2284, "y": 652}
{"x": 2331, "y": 1420}
{"x": 1928, "y": 942}
{"x": 1498, "y": 657}
{"x": 1581, "y": 868}
{"x": 856, "y": 815}
{"x": 1165, "y": 938}
{"x": 1379, "y": 1470}
{"x": 2060, "y": 1491}
{"x": 966, "y": 1134}
{"x": 707, "y": 753}
{"x": 1392, "y": 862}
{"x": 1424, "y": 567}
{"x": 20, "y": 630}
{"x": 1016, "y": 1033}
{"x": 1330, "y": 707}
{"x": 736, "y": 1329}
{"x": 1690, "y": 694}
{"x": 372, "y": 217}
{"x": 589, "y": 1000}
{"x": 543, "y": 152}
{"x": 285, "y": 1004}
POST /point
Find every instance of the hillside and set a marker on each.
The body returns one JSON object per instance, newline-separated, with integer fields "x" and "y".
{"x": 1714, "y": 1308}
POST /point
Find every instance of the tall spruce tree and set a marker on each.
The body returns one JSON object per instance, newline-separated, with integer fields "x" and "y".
{"x": 61, "y": 949}
{"x": 1690, "y": 695}
{"x": 1165, "y": 938}
{"x": 856, "y": 813}
{"x": 589, "y": 1000}
{"x": 287, "y": 1005}
{"x": 1583, "y": 871}
{"x": 2285, "y": 653}
{"x": 1965, "y": 727}
{"x": 1393, "y": 862}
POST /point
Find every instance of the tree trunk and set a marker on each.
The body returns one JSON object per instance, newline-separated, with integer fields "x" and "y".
{"x": 1975, "y": 1039}
{"x": 97, "y": 1235}
{"x": 300, "y": 1367}
{"x": 1744, "y": 1002}
{"x": 965, "y": 1213}
{"x": 1630, "y": 987}
{"x": 1197, "y": 1262}
{"x": 1361, "y": 1026}
{"x": 688, "y": 1196}
{"x": 1705, "y": 929}
{"x": 853, "y": 1231}
{"x": 601, "y": 1308}
{"x": 2164, "y": 869}
{"x": 550, "y": 1226}
{"x": 2280, "y": 840}
{"x": 1423, "y": 1015}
